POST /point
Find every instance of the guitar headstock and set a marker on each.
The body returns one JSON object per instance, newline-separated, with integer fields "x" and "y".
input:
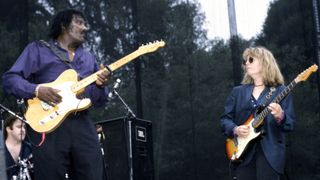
{"x": 151, "y": 47}
{"x": 306, "y": 73}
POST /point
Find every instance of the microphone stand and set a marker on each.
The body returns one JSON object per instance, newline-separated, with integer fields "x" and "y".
{"x": 128, "y": 120}
{"x": 4, "y": 109}
{"x": 130, "y": 113}
{"x": 101, "y": 138}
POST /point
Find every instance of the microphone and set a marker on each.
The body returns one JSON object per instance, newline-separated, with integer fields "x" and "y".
{"x": 117, "y": 83}
{"x": 21, "y": 105}
{"x": 115, "y": 86}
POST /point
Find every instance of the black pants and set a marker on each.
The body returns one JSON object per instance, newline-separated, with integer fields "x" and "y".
{"x": 258, "y": 169}
{"x": 72, "y": 149}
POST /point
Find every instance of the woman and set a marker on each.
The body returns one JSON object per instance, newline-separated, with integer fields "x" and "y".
{"x": 262, "y": 81}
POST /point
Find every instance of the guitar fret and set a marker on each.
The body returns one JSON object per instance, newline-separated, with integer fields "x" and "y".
{"x": 123, "y": 61}
{"x": 90, "y": 79}
{"x": 85, "y": 82}
{"x": 260, "y": 117}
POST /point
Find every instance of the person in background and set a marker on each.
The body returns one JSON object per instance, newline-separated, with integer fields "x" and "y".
{"x": 262, "y": 80}
{"x": 73, "y": 147}
{"x": 16, "y": 148}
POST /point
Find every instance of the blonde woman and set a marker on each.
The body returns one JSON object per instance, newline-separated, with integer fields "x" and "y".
{"x": 264, "y": 157}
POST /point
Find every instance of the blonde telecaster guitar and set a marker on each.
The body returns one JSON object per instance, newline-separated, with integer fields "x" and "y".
{"x": 43, "y": 117}
{"x": 236, "y": 147}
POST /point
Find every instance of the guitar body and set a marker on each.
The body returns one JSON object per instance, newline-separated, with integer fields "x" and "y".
{"x": 43, "y": 117}
{"x": 237, "y": 146}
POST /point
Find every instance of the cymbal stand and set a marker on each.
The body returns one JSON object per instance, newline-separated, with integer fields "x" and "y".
{"x": 24, "y": 173}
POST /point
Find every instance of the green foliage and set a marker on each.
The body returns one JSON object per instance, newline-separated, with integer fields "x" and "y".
{"x": 184, "y": 84}
{"x": 288, "y": 33}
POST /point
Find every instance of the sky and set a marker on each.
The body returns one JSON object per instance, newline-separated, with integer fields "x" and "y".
{"x": 250, "y": 16}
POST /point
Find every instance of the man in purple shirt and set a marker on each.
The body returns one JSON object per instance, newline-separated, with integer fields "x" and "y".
{"x": 73, "y": 147}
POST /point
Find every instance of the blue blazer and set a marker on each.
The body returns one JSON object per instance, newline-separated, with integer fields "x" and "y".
{"x": 239, "y": 107}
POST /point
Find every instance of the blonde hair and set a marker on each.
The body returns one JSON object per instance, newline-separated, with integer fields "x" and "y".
{"x": 270, "y": 70}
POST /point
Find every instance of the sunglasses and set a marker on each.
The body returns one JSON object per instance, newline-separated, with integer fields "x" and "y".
{"x": 250, "y": 60}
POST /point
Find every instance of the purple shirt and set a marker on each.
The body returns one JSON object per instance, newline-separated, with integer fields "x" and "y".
{"x": 38, "y": 64}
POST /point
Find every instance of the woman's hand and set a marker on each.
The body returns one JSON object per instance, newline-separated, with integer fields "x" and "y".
{"x": 242, "y": 130}
{"x": 276, "y": 111}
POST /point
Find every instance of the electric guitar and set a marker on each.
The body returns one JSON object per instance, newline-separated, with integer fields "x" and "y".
{"x": 44, "y": 117}
{"x": 236, "y": 147}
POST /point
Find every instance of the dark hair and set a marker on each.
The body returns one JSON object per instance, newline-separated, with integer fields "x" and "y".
{"x": 63, "y": 19}
{"x": 8, "y": 123}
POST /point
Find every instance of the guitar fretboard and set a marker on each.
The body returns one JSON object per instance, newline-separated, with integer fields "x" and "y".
{"x": 260, "y": 117}
{"x": 93, "y": 77}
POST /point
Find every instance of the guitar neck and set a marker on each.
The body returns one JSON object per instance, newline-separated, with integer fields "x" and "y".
{"x": 119, "y": 63}
{"x": 92, "y": 78}
{"x": 259, "y": 119}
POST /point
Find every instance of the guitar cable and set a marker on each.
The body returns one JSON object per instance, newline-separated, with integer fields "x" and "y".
{"x": 232, "y": 175}
{"x": 22, "y": 108}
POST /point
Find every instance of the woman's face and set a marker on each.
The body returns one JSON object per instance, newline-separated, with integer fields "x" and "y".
{"x": 253, "y": 66}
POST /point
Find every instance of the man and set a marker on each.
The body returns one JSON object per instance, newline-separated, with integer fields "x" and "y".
{"x": 73, "y": 147}
{"x": 15, "y": 147}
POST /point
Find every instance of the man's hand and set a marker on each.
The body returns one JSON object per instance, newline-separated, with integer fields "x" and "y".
{"x": 102, "y": 77}
{"x": 49, "y": 95}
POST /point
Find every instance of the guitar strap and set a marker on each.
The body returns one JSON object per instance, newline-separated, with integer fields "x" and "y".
{"x": 60, "y": 54}
{"x": 269, "y": 97}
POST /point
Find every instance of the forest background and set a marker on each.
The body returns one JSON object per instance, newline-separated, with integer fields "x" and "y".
{"x": 182, "y": 87}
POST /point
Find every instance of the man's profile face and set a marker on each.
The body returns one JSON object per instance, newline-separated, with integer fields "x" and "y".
{"x": 77, "y": 30}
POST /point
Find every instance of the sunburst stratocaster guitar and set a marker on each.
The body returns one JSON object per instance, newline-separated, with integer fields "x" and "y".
{"x": 236, "y": 147}
{"x": 43, "y": 117}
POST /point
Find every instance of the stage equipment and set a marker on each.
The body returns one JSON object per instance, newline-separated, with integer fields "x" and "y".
{"x": 127, "y": 147}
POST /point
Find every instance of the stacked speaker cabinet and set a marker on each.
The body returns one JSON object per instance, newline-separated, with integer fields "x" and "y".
{"x": 128, "y": 149}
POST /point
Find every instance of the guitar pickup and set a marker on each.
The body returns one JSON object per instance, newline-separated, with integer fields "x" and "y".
{"x": 45, "y": 106}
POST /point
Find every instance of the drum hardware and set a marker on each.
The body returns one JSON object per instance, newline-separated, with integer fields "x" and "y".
{"x": 24, "y": 169}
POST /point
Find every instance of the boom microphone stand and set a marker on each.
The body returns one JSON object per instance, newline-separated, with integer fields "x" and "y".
{"x": 128, "y": 120}
{"x": 101, "y": 138}
{"x": 4, "y": 109}
{"x": 130, "y": 113}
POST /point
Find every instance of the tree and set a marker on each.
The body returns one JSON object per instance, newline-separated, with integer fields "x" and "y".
{"x": 288, "y": 33}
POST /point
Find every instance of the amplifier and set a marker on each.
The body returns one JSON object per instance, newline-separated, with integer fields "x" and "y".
{"x": 128, "y": 149}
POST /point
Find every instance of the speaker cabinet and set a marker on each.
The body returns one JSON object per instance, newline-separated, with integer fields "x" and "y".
{"x": 128, "y": 149}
